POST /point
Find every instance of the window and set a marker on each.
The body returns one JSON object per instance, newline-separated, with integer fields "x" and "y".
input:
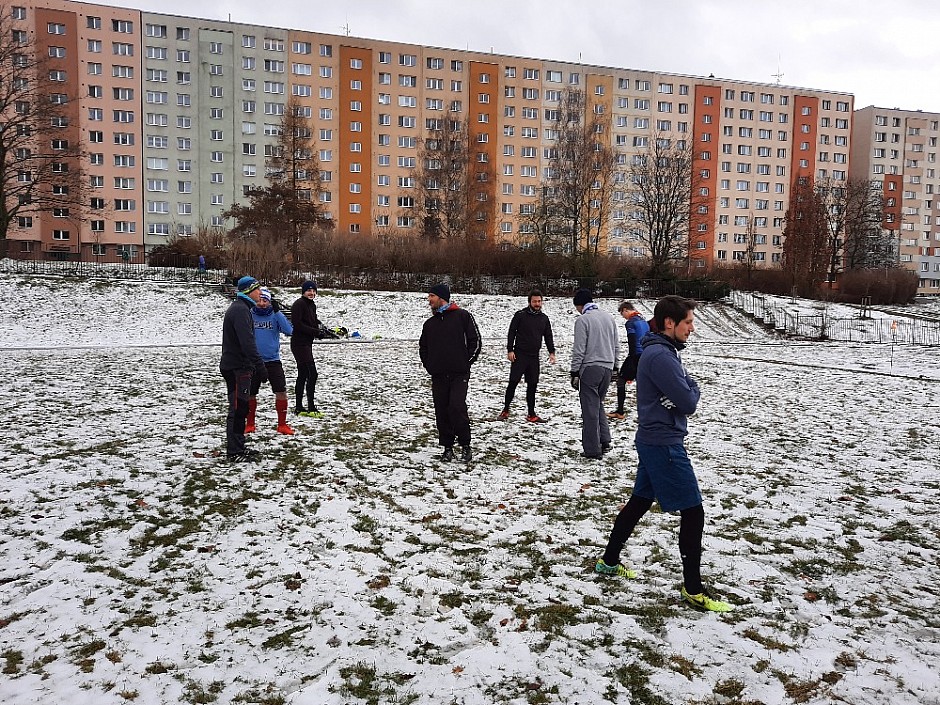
{"x": 156, "y": 30}
{"x": 300, "y": 47}
{"x": 55, "y": 28}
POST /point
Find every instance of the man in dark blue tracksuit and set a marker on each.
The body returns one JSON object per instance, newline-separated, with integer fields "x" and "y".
{"x": 449, "y": 345}
{"x": 665, "y": 397}
{"x": 239, "y": 364}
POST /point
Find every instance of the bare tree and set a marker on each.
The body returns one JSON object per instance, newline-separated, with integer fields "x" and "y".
{"x": 664, "y": 189}
{"x": 453, "y": 184}
{"x": 867, "y": 243}
{"x": 40, "y": 165}
{"x": 540, "y": 225}
{"x": 806, "y": 253}
{"x": 290, "y": 207}
{"x": 854, "y": 213}
{"x": 577, "y": 192}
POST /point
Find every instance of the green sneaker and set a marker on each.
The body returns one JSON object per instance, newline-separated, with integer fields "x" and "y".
{"x": 620, "y": 570}
{"x": 704, "y": 601}
{"x": 312, "y": 414}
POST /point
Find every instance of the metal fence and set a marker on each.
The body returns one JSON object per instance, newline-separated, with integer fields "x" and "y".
{"x": 821, "y": 326}
{"x": 116, "y": 270}
{"x": 376, "y": 280}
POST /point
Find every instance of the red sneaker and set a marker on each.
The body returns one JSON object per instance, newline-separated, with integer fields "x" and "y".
{"x": 535, "y": 419}
{"x": 285, "y": 429}
{"x": 503, "y": 415}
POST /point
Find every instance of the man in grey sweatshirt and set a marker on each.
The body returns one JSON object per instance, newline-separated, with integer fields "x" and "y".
{"x": 593, "y": 360}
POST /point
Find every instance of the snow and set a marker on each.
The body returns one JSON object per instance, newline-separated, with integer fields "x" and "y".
{"x": 351, "y": 566}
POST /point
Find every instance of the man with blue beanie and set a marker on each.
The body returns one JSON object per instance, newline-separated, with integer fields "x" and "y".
{"x": 270, "y": 323}
{"x": 665, "y": 397}
{"x": 239, "y": 364}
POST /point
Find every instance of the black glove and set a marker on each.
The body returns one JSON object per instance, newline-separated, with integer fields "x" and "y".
{"x": 575, "y": 380}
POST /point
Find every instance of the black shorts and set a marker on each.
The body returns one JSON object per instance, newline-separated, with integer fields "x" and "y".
{"x": 525, "y": 366}
{"x": 276, "y": 379}
{"x": 628, "y": 369}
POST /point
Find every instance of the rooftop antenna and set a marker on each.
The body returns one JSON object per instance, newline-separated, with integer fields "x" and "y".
{"x": 779, "y": 74}
{"x": 345, "y": 28}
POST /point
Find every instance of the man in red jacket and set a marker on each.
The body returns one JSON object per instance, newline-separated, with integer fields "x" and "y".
{"x": 449, "y": 344}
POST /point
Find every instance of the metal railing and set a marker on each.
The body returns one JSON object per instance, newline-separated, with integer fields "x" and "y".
{"x": 821, "y": 326}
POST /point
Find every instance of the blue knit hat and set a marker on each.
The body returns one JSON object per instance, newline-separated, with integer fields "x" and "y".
{"x": 441, "y": 290}
{"x": 266, "y": 294}
{"x": 307, "y": 286}
{"x": 248, "y": 284}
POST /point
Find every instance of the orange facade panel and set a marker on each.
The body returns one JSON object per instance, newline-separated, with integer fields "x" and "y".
{"x": 804, "y": 137}
{"x": 482, "y": 117}
{"x": 355, "y": 140}
{"x": 892, "y": 189}
{"x": 705, "y": 133}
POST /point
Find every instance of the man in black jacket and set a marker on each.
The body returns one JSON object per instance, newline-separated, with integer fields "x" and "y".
{"x": 529, "y": 325}
{"x": 303, "y": 317}
{"x": 449, "y": 344}
{"x": 240, "y": 362}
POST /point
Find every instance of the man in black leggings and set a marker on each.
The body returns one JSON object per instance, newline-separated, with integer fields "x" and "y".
{"x": 307, "y": 328}
{"x": 665, "y": 397}
{"x": 526, "y": 331}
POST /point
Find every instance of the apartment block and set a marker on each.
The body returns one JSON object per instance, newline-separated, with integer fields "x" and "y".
{"x": 180, "y": 114}
{"x": 897, "y": 149}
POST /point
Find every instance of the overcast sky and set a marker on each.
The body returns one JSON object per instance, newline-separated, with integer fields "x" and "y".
{"x": 886, "y": 52}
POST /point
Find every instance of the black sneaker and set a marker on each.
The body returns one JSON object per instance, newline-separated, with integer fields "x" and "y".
{"x": 605, "y": 448}
{"x": 448, "y": 454}
{"x": 592, "y": 456}
{"x": 246, "y": 456}
{"x": 299, "y": 410}
{"x": 465, "y": 455}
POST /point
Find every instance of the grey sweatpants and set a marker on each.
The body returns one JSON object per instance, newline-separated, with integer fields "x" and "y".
{"x": 591, "y": 392}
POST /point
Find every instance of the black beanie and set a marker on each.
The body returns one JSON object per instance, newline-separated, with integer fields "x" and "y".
{"x": 441, "y": 290}
{"x": 582, "y": 296}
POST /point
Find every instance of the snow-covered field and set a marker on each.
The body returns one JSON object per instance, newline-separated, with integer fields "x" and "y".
{"x": 350, "y": 566}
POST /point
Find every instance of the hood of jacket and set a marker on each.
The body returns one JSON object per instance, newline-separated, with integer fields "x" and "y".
{"x": 651, "y": 339}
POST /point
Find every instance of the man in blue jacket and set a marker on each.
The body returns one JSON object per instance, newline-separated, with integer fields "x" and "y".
{"x": 449, "y": 345}
{"x": 270, "y": 323}
{"x": 637, "y": 328}
{"x": 665, "y": 397}
{"x": 593, "y": 357}
{"x": 239, "y": 364}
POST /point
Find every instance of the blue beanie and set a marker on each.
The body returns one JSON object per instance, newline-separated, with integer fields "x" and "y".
{"x": 582, "y": 296}
{"x": 247, "y": 284}
{"x": 307, "y": 286}
{"x": 441, "y": 290}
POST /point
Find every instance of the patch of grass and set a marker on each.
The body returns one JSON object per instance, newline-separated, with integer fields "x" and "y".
{"x": 680, "y": 664}
{"x": 730, "y": 688}
{"x": 766, "y": 641}
{"x": 383, "y": 605}
{"x": 12, "y": 660}
{"x": 201, "y": 693}
{"x": 361, "y": 681}
{"x": 246, "y": 621}
{"x": 554, "y": 618}
{"x": 635, "y": 679}
{"x": 283, "y": 639}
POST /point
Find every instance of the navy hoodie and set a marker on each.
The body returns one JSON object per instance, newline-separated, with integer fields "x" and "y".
{"x": 665, "y": 394}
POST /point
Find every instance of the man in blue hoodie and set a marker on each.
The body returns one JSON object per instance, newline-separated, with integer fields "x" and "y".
{"x": 239, "y": 364}
{"x": 665, "y": 397}
{"x": 637, "y": 328}
{"x": 270, "y": 323}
